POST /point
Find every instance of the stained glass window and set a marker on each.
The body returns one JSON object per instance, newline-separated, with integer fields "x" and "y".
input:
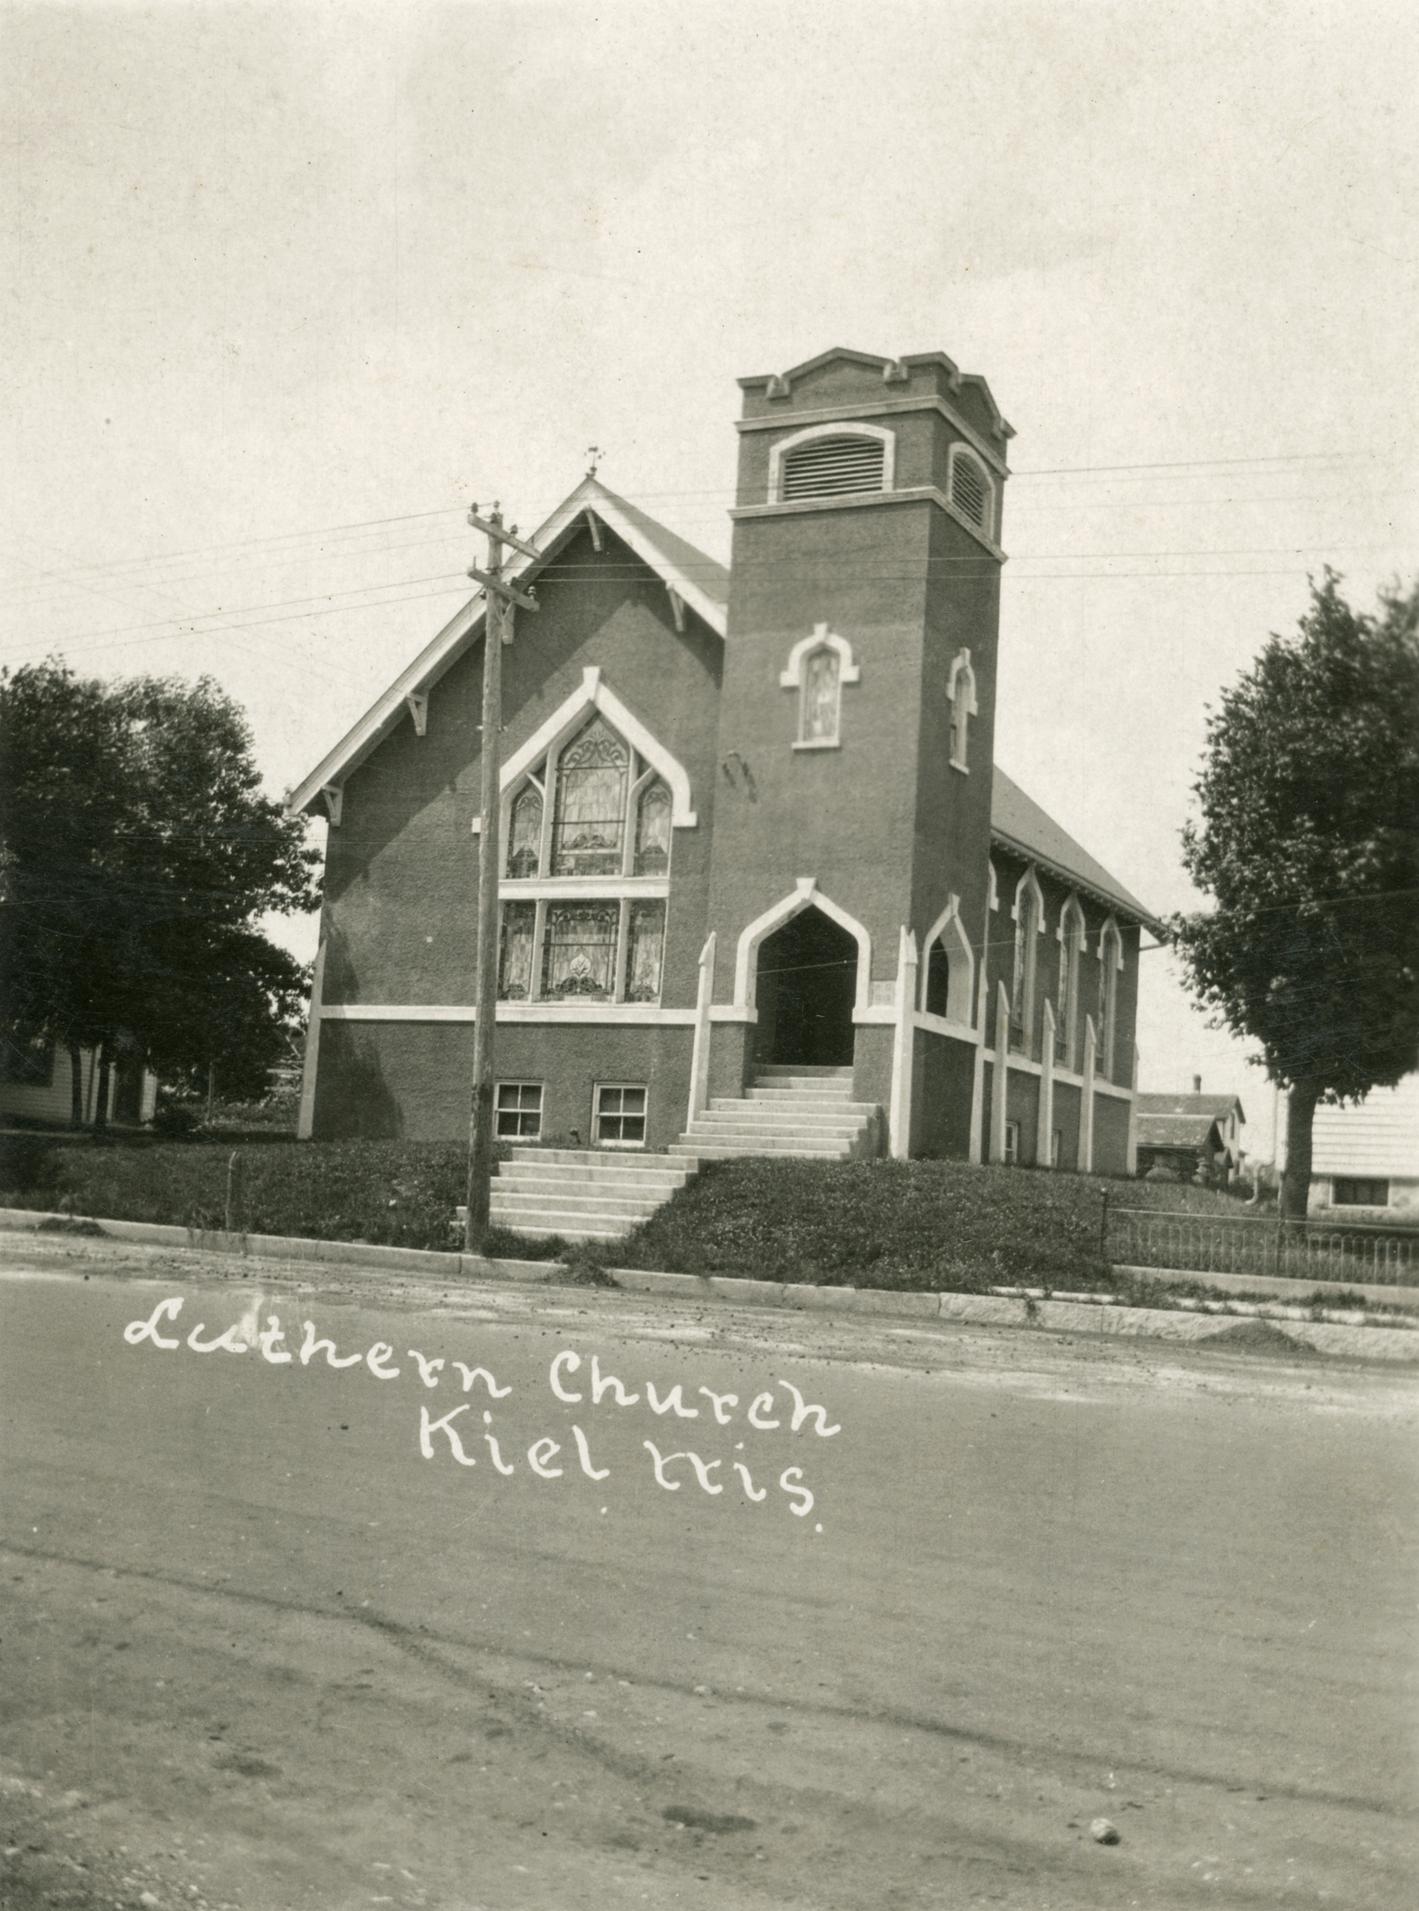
{"x": 515, "y": 953}
{"x": 579, "y": 950}
{"x": 819, "y": 723}
{"x": 524, "y": 847}
{"x": 653, "y": 832}
{"x": 1070, "y": 944}
{"x": 963, "y": 697}
{"x": 645, "y": 947}
{"x": 1109, "y": 951}
{"x": 589, "y": 821}
{"x": 1022, "y": 985}
{"x": 610, "y": 816}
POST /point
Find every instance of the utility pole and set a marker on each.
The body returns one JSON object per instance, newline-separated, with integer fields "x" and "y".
{"x": 497, "y": 631}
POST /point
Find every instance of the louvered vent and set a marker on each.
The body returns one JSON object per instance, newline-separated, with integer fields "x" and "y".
{"x": 968, "y": 490}
{"x": 829, "y": 467}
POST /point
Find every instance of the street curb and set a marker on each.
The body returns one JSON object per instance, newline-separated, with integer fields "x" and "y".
{"x": 1351, "y": 1335}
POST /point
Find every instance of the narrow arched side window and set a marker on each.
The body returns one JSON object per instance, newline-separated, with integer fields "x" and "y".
{"x": 653, "y": 831}
{"x": 949, "y": 978}
{"x": 961, "y": 691}
{"x": 1071, "y": 947}
{"x": 817, "y": 668}
{"x": 820, "y": 704}
{"x": 524, "y": 834}
{"x": 1110, "y": 962}
{"x": 970, "y": 489}
{"x": 1029, "y": 921}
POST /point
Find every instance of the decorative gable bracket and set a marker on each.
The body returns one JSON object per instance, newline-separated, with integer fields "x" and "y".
{"x": 334, "y": 797}
{"x": 418, "y": 702}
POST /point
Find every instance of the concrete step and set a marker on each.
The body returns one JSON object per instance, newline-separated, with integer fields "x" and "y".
{"x": 655, "y": 1181}
{"x": 800, "y": 1098}
{"x": 779, "y": 1151}
{"x": 571, "y": 1226}
{"x": 749, "y": 1132}
{"x": 794, "y": 1085}
{"x": 803, "y": 1071}
{"x": 776, "y": 1115}
{"x": 568, "y": 1230}
{"x": 606, "y": 1206}
{"x": 709, "y": 1141}
{"x": 613, "y": 1160}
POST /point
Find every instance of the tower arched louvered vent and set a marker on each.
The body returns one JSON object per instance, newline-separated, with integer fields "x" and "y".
{"x": 969, "y": 490}
{"x": 831, "y": 467}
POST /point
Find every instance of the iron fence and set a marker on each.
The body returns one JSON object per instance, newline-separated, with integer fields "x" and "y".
{"x": 1337, "y": 1252}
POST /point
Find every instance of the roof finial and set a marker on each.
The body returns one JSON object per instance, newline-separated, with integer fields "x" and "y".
{"x": 596, "y": 454}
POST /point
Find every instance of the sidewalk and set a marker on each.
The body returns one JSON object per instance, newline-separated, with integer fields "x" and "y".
{"x": 1347, "y": 1335}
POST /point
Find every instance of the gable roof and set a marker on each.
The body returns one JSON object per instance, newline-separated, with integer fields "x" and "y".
{"x": 1177, "y": 1131}
{"x": 697, "y": 579}
{"x": 1217, "y": 1106}
{"x": 1018, "y": 822}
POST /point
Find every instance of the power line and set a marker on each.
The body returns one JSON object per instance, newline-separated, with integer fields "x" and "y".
{"x": 1254, "y": 461}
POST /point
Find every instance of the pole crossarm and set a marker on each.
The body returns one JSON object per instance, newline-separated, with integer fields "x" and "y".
{"x": 493, "y": 529}
{"x": 504, "y": 590}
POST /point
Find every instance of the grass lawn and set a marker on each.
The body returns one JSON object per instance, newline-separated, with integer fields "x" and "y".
{"x": 921, "y": 1224}
{"x": 897, "y": 1224}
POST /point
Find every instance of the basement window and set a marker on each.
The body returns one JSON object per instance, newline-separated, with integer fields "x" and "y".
{"x": 620, "y": 1115}
{"x": 1352, "y": 1192}
{"x": 519, "y": 1111}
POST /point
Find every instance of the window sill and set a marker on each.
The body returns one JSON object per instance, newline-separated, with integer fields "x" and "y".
{"x": 964, "y": 769}
{"x": 531, "y": 888}
{"x": 819, "y": 743}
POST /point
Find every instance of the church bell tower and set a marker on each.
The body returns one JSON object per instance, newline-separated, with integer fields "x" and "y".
{"x": 857, "y": 712}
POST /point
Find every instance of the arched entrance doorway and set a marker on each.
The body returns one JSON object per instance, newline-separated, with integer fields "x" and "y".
{"x": 805, "y": 991}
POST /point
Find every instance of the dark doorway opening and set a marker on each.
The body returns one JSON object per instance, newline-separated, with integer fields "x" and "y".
{"x": 807, "y": 985}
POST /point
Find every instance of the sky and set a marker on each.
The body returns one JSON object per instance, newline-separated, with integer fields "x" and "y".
{"x": 286, "y": 288}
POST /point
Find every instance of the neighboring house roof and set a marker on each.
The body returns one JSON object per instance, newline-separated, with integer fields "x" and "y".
{"x": 1218, "y": 1106}
{"x": 702, "y": 583}
{"x": 1018, "y": 822}
{"x": 1178, "y": 1131}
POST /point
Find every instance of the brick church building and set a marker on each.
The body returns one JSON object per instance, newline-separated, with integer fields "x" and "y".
{"x": 754, "y": 837}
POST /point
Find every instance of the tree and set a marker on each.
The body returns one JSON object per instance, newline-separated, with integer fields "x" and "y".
{"x": 136, "y": 852}
{"x": 1308, "y": 843}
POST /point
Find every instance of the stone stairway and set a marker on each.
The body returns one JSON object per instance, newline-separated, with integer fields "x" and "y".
{"x": 793, "y": 1110}
{"x": 583, "y": 1194}
{"x": 597, "y": 1194}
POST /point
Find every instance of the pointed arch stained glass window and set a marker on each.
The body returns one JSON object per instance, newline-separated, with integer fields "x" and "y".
{"x": 589, "y": 834}
{"x": 588, "y": 827}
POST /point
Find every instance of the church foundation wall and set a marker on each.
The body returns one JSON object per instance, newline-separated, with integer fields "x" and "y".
{"x": 412, "y": 1080}
{"x": 943, "y": 1076}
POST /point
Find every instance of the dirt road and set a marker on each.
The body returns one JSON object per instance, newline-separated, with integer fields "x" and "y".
{"x": 270, "y": 1642}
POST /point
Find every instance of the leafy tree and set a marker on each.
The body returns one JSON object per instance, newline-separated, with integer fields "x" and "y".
{"x": 136, "y": 852}
{"x": 1308, "y": 843}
